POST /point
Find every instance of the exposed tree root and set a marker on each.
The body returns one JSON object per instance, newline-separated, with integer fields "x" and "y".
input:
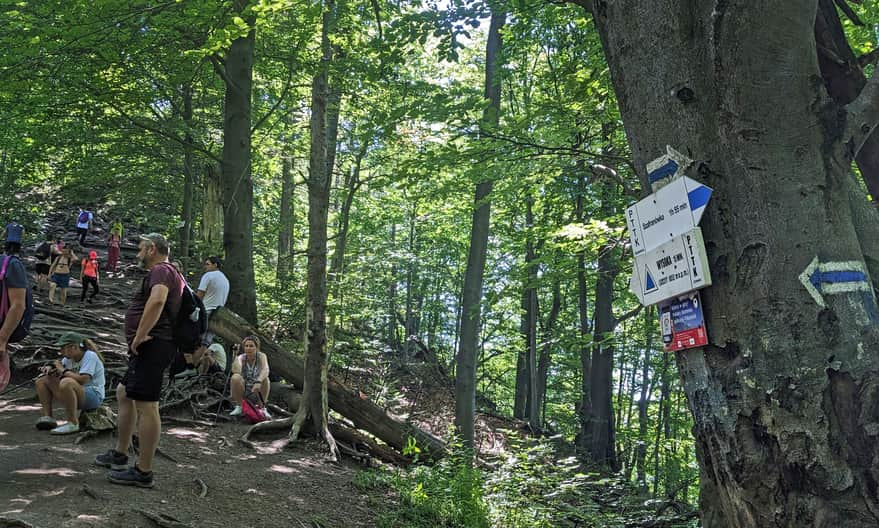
{"x": 162, "y": 519}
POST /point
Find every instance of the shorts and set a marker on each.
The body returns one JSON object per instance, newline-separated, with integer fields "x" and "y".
{"x": 92, "y": 399}
{"x": 143, "y": 379}
{"x": 62, "y": 280}
{"x": 42, "y": 268}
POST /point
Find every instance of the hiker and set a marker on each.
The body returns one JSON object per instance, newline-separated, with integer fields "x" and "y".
{"x": 113, "y": 241}
{"x": 13, "y": 234}
{"x": 59, "y": 274}
{"x": 250, "y": 373}
{"x": 13, "y": 278}
{"x": 89, "y": 274}
{"x": 213, "y": 361}
{"x": 213, "y": 290}
{"x": 116, "y": 227}
{"x": 76, "y": 382}
{"x": 43, "y": 253}
{"x": 149, "y": 323}
{"x": 57, "y": 248}
{"x": 84, "y": 224}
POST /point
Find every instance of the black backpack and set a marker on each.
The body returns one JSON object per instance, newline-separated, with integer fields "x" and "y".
{"x": 24, "y": 326}
{"x": 43, "y": 251}
{"x": 191, "y": 321}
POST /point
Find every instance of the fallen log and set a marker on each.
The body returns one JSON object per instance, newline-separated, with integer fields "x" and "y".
{"x": 363, "y": 413}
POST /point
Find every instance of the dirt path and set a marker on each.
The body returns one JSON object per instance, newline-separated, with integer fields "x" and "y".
{"x": 48, "y": 481}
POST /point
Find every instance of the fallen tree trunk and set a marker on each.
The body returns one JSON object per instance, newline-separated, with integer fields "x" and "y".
{"x": 363, "y": 413}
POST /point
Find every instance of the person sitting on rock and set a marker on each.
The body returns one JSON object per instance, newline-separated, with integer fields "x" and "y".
{"x": 250, "y": 373}
{"x": 76, "y": 382}
{"x": 213, "y": 361}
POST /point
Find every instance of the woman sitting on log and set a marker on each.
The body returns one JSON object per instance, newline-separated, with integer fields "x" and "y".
{"x": 76, "y": 382}
{"x": 250, "y": 373}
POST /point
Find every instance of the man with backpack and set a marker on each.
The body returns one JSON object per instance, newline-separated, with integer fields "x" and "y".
{"x": 149, "y": 331}
{"x": 83, "y": 224}
{"x": 16, "y": 306}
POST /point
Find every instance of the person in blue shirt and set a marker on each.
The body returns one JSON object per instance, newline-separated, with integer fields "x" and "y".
{"x": 76, "y": 382}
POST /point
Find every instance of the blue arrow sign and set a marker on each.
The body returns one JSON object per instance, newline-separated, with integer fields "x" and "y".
{"x": 830, "y": 278}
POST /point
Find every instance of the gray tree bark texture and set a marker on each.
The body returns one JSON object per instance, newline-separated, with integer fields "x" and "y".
{"x": 237, "y": 184}
{"x": 465, "y": 372}
{"x": 785, "y": 397}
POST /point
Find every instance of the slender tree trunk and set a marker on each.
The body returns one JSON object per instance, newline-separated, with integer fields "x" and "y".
{"x": 408, "y": 344}
{"x": 313, "y": 405}
{"x": 643, "y": 402}
{"x": 520, "y": 398}
{"x": 188, "y": 173}
{"x": 533, "y": 402}
{"x": 393, "y": 339}
{"x": 285, "y": 232}
{"x": 546, "y": 349}
{"x": 465, "y": 373}
{"x": 237, "y": 184}
{"x": 212, "y": 209}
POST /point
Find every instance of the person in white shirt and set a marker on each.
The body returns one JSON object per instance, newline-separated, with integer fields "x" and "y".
{"x": 213, "y": 289}
{"x": 83, "y": 224}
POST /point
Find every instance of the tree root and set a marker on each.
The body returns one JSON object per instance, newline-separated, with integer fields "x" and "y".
{"x": 85, "y": 436}
{"x": 204, "y": 488}
{"x": 6, "y": 522}
{"x": 162, "y": 519}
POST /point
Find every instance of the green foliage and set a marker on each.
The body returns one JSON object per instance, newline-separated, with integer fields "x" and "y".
{"x": 448, "y": 494}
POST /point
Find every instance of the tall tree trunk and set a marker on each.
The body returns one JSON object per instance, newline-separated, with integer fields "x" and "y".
{"x": 643, "y": 402}
{"x": 408, "y": 343}
{"x": 546, "y": 348}
{"x": 313, "y": 405}
{"x": 784, "y": 395}
{"x": 337, "y": 262}
{"x": 188, "y": 172}
{"x": 212, "y": 209}
{"x": 285, "y": 231}
{"x": 393, "y": 339}
{"x": 465, "y": 373}
{"x": 520, "y": 398}
{"x": 532, "y": 314}
{"x": 236, "y": 178}
{"x": 598, "y": 435}
{"x": 584, "y": 410}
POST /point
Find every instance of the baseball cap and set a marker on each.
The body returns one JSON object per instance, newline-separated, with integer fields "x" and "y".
{"x": 70, "y": 338}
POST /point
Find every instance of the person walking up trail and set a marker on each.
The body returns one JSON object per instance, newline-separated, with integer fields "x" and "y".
{"x": 60, "y": 274}
{"x": 84, "y": 224}
{"x": 90, "y": 275}
{"x": 43, "y": 254}
{"x": 113, "y": 241}
{"x": 76, "y": 382}
{"x": 149, "y": 323}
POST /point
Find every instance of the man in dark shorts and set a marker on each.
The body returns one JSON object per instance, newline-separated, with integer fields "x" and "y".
{"x": 149, "y": 333}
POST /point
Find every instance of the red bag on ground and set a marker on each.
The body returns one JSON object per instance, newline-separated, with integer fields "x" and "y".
{"x": 4, "y": 371}
{"x": 253, "y": 412}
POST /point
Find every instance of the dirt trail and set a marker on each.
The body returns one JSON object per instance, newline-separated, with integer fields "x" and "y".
{"x": 48, "y": 481}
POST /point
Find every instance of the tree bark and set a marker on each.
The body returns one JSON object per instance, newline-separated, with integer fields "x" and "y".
{"x": 353, "y": 405}
{"x": 465, "y": 372}
{"x": 212, "y": 209}
{"x": 531, "y": 314}
{"x": 520, "y": 398}
{"x": 285, "y": 231}
{"x": 784, "y": 396}
{"x": 188, "y": 172}
{"x": 546, "y": 349}
{"x": 643, "y": 403}
{"x": 314, "y": 407}
{"x": 236, "y": 178}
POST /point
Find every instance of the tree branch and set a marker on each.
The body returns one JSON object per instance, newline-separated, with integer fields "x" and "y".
{"x": 869, "y": 58}
{"x": 863, "y": 116}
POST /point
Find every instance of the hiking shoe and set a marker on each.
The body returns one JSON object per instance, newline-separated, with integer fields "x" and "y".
{"x": 112, "y": 459}
{"x": 131, "y": 477}
{"x": 46, "y": 422}
{"x": 236, "y": 411}
{"x": 188, "y": 373}
{"x": 68, "y": 428}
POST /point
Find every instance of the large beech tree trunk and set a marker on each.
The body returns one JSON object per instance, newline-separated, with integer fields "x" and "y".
{"x": 785, "y": 398}
{"x": 351, "y": 404}
{"x": 236, "y": 178}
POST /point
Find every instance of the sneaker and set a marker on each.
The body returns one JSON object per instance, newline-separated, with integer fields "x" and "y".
{"x": 188, "y": 373}
{"x": 68, "y": 428}
{"x": 112, "y": 459}
{"x": 131, "y": 477}
{"x": 265, "y": 412}
{"x": 236, "y": 411}
{"x": 46, "y": 422}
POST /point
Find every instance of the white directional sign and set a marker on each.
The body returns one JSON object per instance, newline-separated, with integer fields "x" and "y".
{"x": 666, "y": 214}
{"x": 672, "y": 269}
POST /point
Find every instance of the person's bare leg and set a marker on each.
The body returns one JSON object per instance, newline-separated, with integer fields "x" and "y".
{"x": 126, "y": 421}
{"x": 44, "y": 393}
{"x": 69, "y": 394}
{"x": 148, "y": 431}
{"x": 236, "y": 386}
{"x": 63, "y": 296}
{"x": 52, "y": 287}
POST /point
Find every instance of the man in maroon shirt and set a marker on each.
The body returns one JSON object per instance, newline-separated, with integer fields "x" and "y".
{"x": 149, "y": 323}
